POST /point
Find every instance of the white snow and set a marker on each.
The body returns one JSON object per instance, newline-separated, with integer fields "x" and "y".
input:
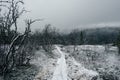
{"x": 60, "y": 72}
{"x": 66, "y": 65}
{"x": 46, "y": 66}
{"x": 69, "y": 69}
{"x": 79, "y": 72}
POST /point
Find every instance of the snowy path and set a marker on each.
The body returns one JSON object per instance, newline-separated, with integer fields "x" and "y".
{"x": 70, "y": 67}
{"x": 60, "y": 72}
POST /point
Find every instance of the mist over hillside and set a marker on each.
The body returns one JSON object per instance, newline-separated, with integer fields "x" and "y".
{"x": 59, "y": 40}
{"x": 102, "y": 35}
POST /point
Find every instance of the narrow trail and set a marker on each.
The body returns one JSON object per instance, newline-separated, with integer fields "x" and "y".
{"x": 60, "y": 72}
{"x": 69, "y": 69}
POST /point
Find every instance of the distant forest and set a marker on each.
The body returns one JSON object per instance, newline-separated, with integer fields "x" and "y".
{"x": 88, "y": 36}
{"x": 77, "y": 37}
{"x": 106, "y": 35}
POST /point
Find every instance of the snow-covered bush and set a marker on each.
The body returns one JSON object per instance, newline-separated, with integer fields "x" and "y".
{"x": 95, "y": 57}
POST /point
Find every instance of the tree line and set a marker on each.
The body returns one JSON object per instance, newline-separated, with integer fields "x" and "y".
{"x": 14, "y": 45}
{"x": 16, "y": 48}
{"x": 96, "y": 36}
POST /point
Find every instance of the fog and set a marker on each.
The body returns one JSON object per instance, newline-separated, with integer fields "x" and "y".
{"x": 69, "y": 14}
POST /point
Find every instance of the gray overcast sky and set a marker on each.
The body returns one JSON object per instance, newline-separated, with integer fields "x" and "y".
{"x": 66, "y": 14}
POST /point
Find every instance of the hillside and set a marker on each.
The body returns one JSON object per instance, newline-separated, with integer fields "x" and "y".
{"x": 87, "y": 62}
{"x": 102, "y": 35}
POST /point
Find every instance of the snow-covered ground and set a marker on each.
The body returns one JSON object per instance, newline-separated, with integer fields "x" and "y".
{"x": 65, "y": 68}
{"x": 87, "y": 62}
{"x": 103, "y": 59}
{"x": 60, "y": 72}
{"x": 72, "y": 70}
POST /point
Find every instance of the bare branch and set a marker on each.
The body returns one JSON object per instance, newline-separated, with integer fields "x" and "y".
{"x": 29, "y": 22}
{"x": 4, "y": 1}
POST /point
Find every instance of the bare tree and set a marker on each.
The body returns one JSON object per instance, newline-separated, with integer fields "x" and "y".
{"x": 74, "y": 38}
{"x": 13, "y": 51}
{"x": 47, "y": 38}
{"x": 10, "y": 13}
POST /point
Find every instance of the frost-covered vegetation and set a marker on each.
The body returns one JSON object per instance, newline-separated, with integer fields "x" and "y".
{"x": 51, "y": 55}
{"x": 105, "y": 61}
